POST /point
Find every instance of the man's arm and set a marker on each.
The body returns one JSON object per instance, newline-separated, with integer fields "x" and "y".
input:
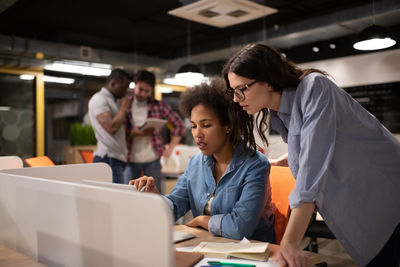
{"x": 112, "y": 123}
{"x": 174, "y": 141}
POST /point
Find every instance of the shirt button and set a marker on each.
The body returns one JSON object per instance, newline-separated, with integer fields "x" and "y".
{"x": 208, "y": 194}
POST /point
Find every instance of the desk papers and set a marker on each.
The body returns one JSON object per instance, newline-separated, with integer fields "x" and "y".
{"x": 253, "y": 251}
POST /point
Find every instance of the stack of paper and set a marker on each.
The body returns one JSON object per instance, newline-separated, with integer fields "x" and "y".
{"x": 252, "y": 251}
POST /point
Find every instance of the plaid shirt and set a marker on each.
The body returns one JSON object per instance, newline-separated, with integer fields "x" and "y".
{"x": 158, "y": 110}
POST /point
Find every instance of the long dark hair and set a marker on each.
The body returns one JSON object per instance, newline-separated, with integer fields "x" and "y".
{"x": 213, "y": 95}
{"x": 264, "y": 64}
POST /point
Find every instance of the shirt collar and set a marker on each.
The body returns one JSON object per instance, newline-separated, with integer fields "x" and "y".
{"x": 287, "y": 99}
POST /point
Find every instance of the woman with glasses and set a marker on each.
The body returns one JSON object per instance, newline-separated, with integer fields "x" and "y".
{"x": 226, "y": 185}
{"x": 346, "y": 163}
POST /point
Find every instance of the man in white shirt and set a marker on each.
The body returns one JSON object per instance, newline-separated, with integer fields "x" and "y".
{"x": 107, "y": 110}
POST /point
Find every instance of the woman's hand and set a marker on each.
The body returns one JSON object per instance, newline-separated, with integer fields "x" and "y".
{"x": 200, "y": 221}
{"x": 145, "y": 181}
{"x": 289, "y": 255}
{"x": 281, "y": 161}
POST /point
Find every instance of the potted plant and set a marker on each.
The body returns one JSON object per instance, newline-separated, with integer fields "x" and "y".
{"x": 81, "y": 138}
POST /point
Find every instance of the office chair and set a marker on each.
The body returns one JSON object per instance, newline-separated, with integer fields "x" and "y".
{"x": 87, "y": 155}
{"x": 39, "y": 161}
{"x": 282, "y": 183}
{"x": 10, "y": 162}
{"x": 317, "y": 229}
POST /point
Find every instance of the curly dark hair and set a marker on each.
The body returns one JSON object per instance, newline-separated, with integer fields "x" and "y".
{"x": 265, "y": 64}
{"x": 214, "y": 95}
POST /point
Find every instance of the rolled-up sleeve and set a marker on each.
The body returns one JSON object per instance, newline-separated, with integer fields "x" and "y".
{"x": 313, "y": 142}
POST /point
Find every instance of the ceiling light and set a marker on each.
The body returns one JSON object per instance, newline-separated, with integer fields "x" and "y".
{"x": 80, "y": 67}
{"x": 374, "y": 38}
{"x": 131, "y": 85}
{"x": 315, "y": 49}
{"x": 50, "y": 79}
{"x": 5, "y": 108}
{"x": 187, "y": 79}
{"x": 27, "y": 77}
{"x": 62, "y": 80}
{"x": 332, "y": 46}
{"x": 188, "y": 75}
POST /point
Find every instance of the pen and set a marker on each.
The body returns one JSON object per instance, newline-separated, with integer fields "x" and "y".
{"x": 221, "y": 263}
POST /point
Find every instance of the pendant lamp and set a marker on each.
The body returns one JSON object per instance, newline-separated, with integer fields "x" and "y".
{"x": 188, "y": 74}
{"x": 374, "y": 37}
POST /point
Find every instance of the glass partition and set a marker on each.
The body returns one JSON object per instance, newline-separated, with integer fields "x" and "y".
{"x": 17, "y": 116}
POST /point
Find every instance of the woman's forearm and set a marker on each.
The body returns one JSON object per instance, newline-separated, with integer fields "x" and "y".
{"x": 298, "y": 223}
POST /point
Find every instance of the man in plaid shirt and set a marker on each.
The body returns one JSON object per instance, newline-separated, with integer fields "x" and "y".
{"x": 145, "y": 148}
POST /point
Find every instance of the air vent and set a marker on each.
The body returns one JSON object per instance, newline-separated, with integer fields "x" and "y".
{"x": 85, "y": 52}
{"x": 222, "y": 13}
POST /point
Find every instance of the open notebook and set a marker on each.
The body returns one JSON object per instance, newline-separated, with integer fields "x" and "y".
{"x": 178, "y": 236}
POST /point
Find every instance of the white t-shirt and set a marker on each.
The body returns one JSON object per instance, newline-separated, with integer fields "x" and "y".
{"x": 114, "y": 146}
{"x": 142, "y": 150}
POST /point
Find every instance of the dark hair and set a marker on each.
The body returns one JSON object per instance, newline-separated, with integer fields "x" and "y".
{"x": 118, "y": 75}
{"x": 213, "y": 95}
{"x": 265, "y": 64}
{"x": 145, "y": 76}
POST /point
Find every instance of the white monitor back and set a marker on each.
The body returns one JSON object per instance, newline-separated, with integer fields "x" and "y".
{"x": 10, "y": 162}
{"x": 69, "y": 173}
{"x": 68, "y": 224}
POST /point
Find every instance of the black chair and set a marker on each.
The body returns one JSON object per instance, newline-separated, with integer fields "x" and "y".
{"x": 317, "y": 229}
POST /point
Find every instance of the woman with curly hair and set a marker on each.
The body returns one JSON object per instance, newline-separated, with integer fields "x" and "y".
{"x": 226, "y": 185}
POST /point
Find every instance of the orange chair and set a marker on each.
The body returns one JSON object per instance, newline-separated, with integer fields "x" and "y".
{"x": 282, "y": 183}
{"x": 87, "y": 155}
{"x": 39, "y": 161}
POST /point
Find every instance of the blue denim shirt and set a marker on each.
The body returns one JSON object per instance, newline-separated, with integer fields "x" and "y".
{"x": 345, "y": 161}
{"x": 240, "y": 207}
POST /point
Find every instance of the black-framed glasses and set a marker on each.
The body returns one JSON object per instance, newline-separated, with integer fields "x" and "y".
{"x": 239, "y": 92}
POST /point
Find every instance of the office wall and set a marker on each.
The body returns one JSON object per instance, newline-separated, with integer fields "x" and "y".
{"x": 373, "y": 68}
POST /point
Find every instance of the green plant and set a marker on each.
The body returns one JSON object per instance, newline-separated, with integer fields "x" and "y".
{"x": 81, "y": 135}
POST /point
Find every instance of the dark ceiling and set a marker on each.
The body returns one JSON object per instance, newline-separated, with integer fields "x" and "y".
{"x": 144, "y": 27}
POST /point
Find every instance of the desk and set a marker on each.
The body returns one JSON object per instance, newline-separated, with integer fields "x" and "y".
{"x": 203, "y": 235}
{"x": 9, "y": 257}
